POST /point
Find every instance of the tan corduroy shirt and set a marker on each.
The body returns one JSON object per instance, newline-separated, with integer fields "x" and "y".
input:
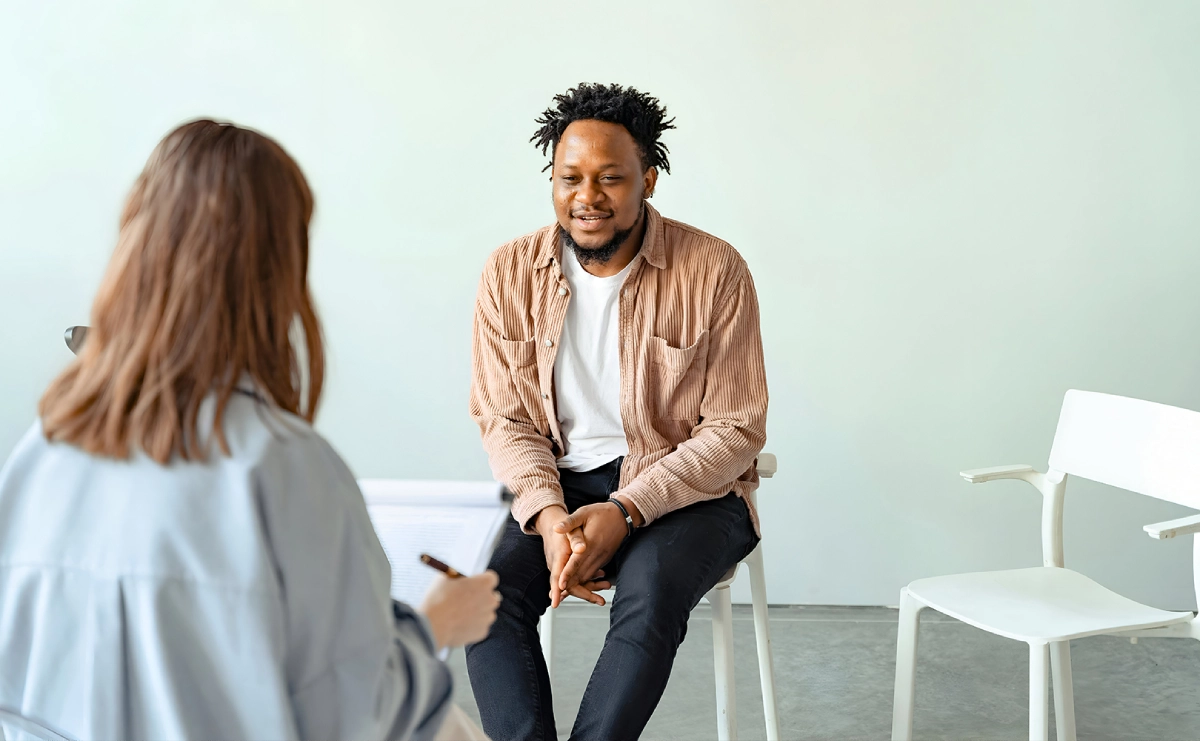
{"x": 693, "y": 386}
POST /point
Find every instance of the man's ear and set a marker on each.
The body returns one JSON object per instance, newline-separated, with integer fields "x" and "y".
{"x": 649, "y": 180}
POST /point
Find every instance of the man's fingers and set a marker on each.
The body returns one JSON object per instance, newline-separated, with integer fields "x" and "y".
{"x": 580, "y": 565}
{"x": 571, "y": 523}
{"x": 596, "y": 586}
{"x": 555, "y": 593}
{"x": 581, "y": 592}
{"x": 570, "y": 572}
{"x": 573, "y": 573}
{"x": 578, "y": 542}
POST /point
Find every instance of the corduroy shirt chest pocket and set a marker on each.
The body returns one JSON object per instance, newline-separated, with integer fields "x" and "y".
{"x": 521, "y": 357}
{"x": 677, "y": 377}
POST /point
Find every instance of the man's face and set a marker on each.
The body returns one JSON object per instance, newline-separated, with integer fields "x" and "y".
{"x": 599, "y": 182}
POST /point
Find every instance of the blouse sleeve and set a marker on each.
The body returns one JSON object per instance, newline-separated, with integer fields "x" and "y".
{"x": 357, "y": 664}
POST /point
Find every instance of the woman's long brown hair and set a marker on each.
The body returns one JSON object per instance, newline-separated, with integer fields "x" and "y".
{"x": 207, "y": 281}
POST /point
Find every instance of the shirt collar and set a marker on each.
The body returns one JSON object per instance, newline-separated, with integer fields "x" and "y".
{"x": 653, "y": 247}
{"x": 247, "y": 386}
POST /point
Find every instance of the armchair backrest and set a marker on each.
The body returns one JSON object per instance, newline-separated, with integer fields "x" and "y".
{"x": 74, "y": 337}
{"x": 1148, "y": 448}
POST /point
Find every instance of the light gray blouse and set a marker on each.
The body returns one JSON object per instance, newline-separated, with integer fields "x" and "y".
{"x": 241, "y": 597}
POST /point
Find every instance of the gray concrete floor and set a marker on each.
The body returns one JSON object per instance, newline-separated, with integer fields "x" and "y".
{"x": 834, "y": 671}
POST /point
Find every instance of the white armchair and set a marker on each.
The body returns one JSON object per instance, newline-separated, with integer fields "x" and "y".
{"x": 1148, "y": 448}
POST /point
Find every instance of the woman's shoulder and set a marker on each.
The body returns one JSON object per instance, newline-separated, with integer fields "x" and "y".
{"x": 251, "y": 420}
{"x": 280, "y": 445}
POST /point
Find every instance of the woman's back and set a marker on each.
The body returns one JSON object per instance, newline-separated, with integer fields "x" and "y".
{"x": 181, "y": 555}
{"x": 202, "y": 599}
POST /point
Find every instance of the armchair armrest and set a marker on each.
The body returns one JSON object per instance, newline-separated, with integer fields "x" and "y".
{"x": 766, "y": 465}
{"x": 983, "y": 475}
{"x": 1172, "y": 528}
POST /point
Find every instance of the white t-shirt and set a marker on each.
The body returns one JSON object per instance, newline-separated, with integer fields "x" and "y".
{"x": 587, "y": 371}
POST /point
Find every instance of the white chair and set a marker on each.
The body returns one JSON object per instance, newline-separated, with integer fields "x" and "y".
{"x": 722, "y": 617}
{"x": 74, "y": 337}
{"x": 1148, "y": 448}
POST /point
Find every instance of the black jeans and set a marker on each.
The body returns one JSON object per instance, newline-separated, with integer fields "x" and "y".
{"x": 659, "y": 575}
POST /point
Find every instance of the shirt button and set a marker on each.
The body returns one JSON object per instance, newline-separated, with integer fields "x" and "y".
{"x": 562, "y": 292}
{"x": 549, "y": 343}
{"x": 545, "y": 396}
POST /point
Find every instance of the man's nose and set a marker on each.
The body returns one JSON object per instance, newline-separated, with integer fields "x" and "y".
{"x": 589, "y": 193}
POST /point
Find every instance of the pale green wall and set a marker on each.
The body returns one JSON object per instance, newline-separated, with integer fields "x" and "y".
{"x": 954, "y": 211}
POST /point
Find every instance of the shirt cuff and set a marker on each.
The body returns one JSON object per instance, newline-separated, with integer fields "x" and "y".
{"x": 527, "y": 506}
{"x": 648, "y": 501}
{"x": 402, "y": 612}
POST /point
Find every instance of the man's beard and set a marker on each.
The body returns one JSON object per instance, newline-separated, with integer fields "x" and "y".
{"x": 603, "y": 253}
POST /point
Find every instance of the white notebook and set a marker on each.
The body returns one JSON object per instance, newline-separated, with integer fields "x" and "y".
{"x": 457, "y": 522}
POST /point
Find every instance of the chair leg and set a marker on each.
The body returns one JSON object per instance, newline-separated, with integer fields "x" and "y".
{"x": 546, "y": 633}
{"x": 906, "y": 666}
{"x": 1039, "y": 708}
{"x": 1064, "y": 693}
{"x": 722, "y": 617}
{"x": 762, "y": 636}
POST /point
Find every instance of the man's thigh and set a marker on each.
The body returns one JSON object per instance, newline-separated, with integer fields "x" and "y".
{"x": 679, "y": 557}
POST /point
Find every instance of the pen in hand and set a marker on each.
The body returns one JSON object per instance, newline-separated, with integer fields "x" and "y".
{"x": 433, "y": 563}
{"x": 460, "y": 609}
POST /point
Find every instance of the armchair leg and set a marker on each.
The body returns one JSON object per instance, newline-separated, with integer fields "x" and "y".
{"x": 1039, "y": 708}
{"x": 1064, "y": 694}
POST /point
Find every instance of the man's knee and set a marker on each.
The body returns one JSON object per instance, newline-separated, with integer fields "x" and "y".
{"x": 524, "y": 579}
{"x": 654, "y": 602}
{"x": 526, "y": 605}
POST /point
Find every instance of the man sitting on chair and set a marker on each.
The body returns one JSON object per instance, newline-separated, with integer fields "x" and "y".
{"x": 619, "y": 386}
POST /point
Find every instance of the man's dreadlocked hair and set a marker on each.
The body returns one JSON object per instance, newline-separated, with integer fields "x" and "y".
{"x": 641, "y": 115}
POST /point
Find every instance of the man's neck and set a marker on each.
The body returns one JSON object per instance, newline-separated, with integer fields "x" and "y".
{"x": 621, "y": 259}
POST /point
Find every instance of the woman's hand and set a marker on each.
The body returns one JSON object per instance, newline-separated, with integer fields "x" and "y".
{"x": 461, "y": 611}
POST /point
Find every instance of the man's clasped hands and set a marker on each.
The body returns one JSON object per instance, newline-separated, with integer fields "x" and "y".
{"x": 578, "y": 545}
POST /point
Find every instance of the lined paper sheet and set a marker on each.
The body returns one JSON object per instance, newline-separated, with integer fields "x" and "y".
{"x": 457, "y": 522}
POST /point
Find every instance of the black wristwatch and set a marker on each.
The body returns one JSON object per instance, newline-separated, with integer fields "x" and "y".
{"x": 628, "y": 518}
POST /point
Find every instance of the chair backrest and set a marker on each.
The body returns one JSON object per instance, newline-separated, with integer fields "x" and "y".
{"x": 17, "y": 727}
{"x": 1148, "y": 448}
{"x": 74, "y": 337}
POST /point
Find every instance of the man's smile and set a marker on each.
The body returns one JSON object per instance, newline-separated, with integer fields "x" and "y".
{"x": 590, "y": 221}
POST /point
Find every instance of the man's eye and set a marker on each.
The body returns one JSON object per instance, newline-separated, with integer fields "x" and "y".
{"x": 611, "y": 178}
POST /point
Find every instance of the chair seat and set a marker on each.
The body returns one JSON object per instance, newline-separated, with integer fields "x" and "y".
{"x": 729, "y": 576}
{"x": 1037, "y": 605}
